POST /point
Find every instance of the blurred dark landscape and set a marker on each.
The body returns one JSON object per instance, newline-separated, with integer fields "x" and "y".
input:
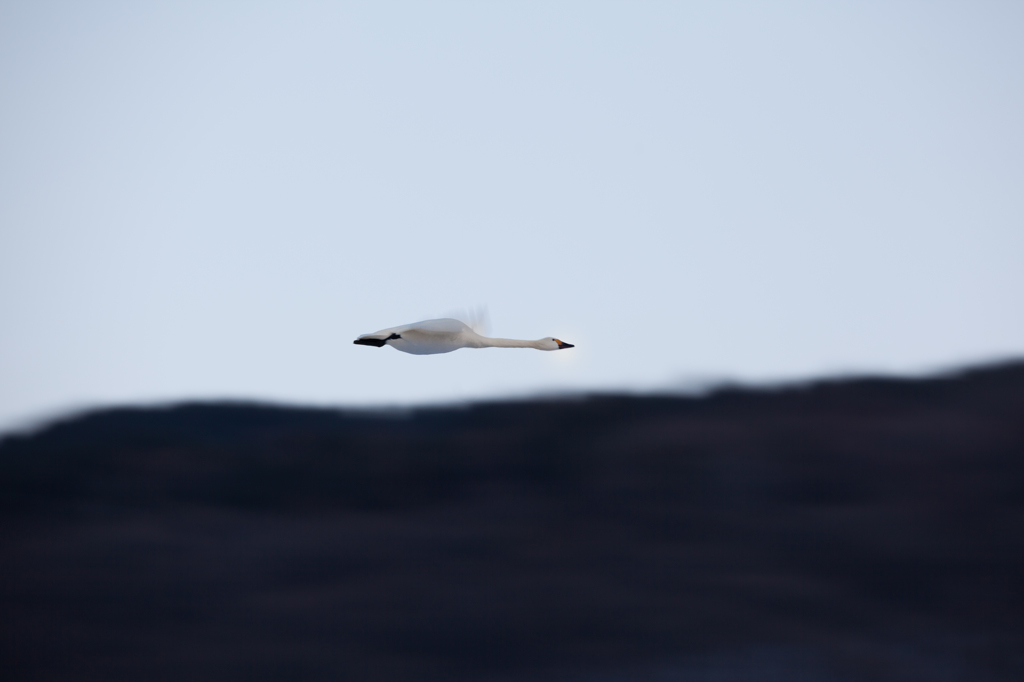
{"x": 861, "y": 529}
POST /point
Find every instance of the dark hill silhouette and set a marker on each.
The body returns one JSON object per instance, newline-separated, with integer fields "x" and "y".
{"x": 845, "y": 530}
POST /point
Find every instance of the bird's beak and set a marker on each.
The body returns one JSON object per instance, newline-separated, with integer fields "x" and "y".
{"x": 369, "y": 342}
{"x": 563, "y": 344}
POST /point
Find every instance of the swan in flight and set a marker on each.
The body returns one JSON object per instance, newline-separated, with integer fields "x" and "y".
{"x": 444, "y": 336}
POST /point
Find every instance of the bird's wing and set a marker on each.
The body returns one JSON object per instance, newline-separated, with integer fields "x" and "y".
{"x": 476, "y": 319}
{"x": 445, "y": 326}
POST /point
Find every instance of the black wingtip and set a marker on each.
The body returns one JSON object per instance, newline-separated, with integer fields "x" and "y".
{"x": 369, "y": 342}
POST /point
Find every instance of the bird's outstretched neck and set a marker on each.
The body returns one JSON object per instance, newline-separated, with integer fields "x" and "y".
{"x": 487, "y": 342}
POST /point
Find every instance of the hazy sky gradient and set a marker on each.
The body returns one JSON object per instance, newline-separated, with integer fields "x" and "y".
{"x": 204, "y": 200}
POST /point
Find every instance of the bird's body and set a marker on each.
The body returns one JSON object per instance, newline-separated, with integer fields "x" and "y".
{"x": 445, "y": 335}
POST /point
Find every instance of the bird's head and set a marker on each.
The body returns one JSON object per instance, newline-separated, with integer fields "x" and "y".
{"x": 552, "y": 343}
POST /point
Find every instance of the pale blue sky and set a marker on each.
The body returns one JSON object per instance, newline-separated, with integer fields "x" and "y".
{"x": 211, "y": 200}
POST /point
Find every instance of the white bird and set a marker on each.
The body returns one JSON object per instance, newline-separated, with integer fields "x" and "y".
{"x": 444, "y": 336}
